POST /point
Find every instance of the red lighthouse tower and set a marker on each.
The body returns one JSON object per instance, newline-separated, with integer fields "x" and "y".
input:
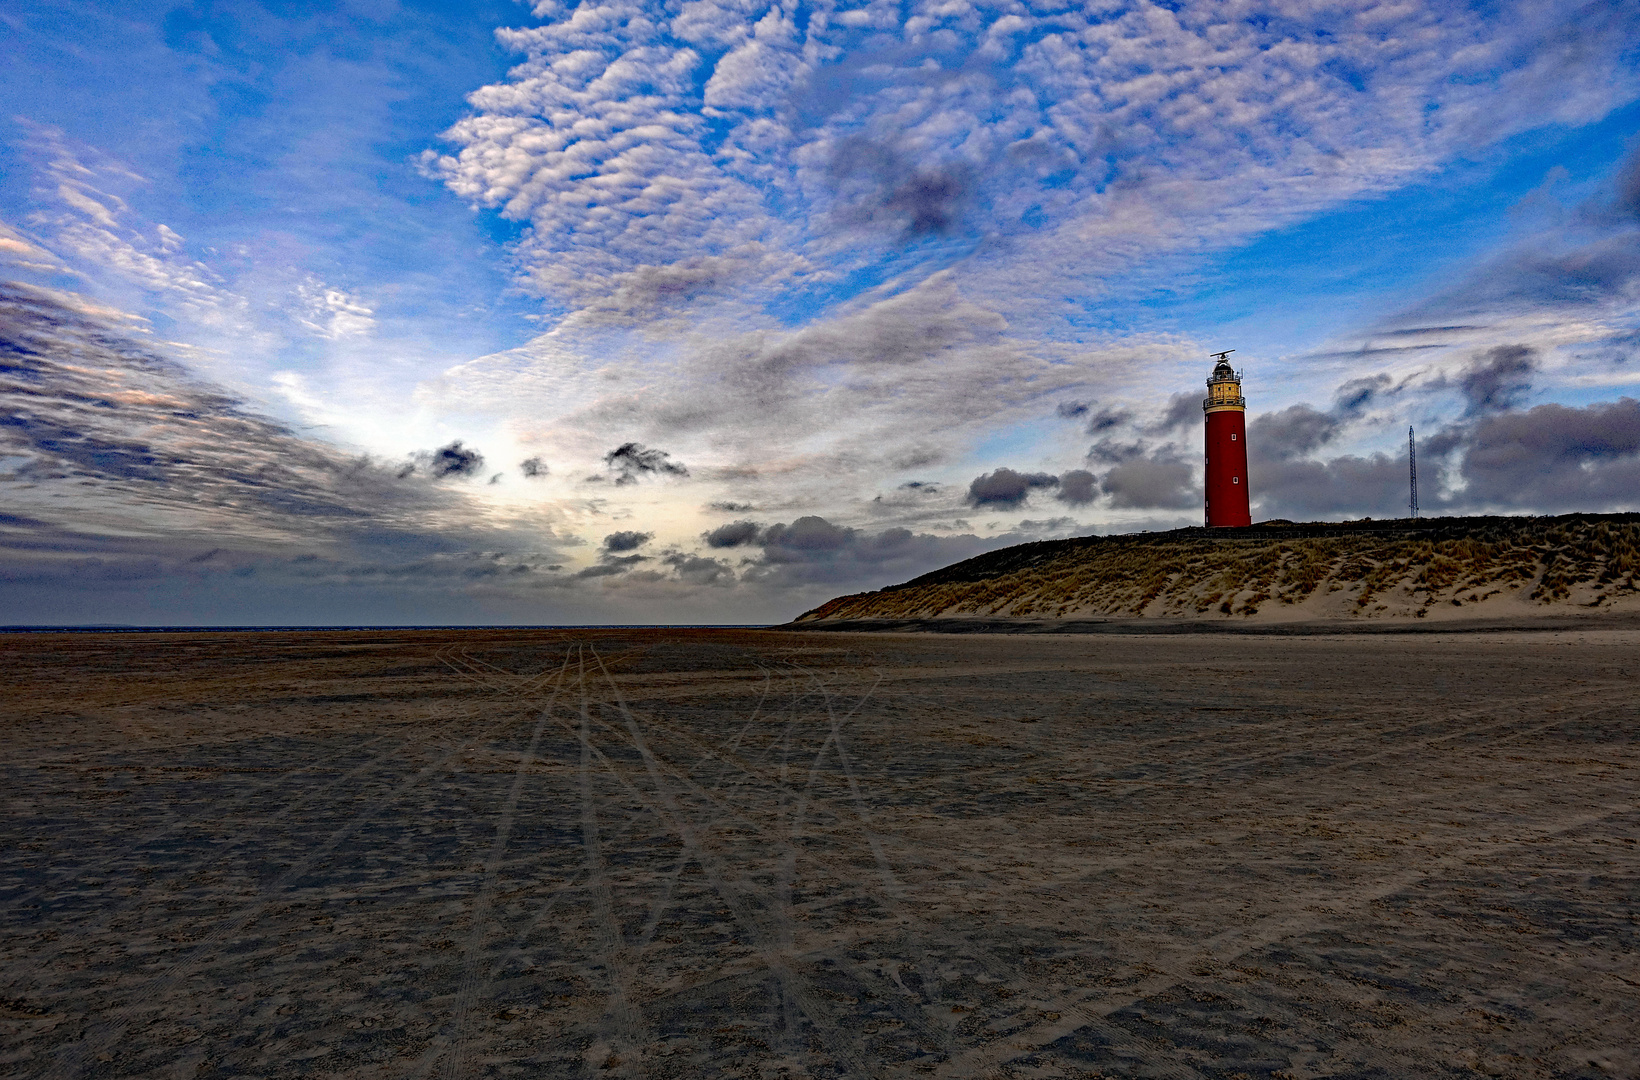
{"x": 1227, "y": 504}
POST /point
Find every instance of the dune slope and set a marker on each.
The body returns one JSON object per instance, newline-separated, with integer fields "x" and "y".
{"x": 1436, "y": 568}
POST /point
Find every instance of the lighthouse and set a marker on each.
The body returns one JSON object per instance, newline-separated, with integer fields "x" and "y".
{"x": 1226, "y": 409}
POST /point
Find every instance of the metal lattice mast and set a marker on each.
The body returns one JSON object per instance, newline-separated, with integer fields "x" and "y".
{"x": 1412, "y": 467}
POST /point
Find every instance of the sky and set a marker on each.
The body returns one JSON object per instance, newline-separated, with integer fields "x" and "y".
{"x": 707, "y": 311}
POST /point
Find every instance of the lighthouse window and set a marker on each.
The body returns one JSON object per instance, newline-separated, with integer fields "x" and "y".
{"x": 1232, "y": 438}
{"x": 1235, "y": 479}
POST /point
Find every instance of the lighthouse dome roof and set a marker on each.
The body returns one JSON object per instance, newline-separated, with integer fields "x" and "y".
{"x": 1223, "y": 370}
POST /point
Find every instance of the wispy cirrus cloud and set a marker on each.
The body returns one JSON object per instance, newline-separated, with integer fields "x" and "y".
{"x": 98, "y": 419}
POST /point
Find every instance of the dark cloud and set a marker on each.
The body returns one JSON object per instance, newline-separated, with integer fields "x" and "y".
{"x": 1051, "y": 525}
{"x": 1105, "y": 419}
{"x": 627, "y": 541}
{"x": 91, "y": 453}
{"x": 1367, "y": 352}
{"x": 1556, "y": 458}
{"x": 610, "y": 564}
{"x": 1286, "y": 481}
{"x": 1108, "y": 451}
{"x": 733, "y": 534}
{"x": 1293, "y": 432}
{"x": 632, "y": 460}
{"x": 1183, "y": 409}
{"x": 812, "y": 551}
{"x": 86, "y": 406}
{"x": 1594, "y": 276}
{"x": 1146, "y": 483}
{"x": 1007, "y": 488}
{"x": 452, "y": 460}
{"x": 1358, "y": 395}
{"x": 1548, "y": 459}
{"x": 1627, "y": 202}
{"x": 1417, "y": 331}
{"x": 608, "y": 568}
{"x": 1498, "y": 379}
{"x": 1303, "y": 489}
{"x": 1078, "y": 487}
{"x": 647, "y": 290}
{"x": 805, "y": 535}
{"x": 926, "y": 487}
{"x": 878, "y": 187}
{"x": 700, "y": 569}
{"x": 533, "y": 467}
{"x": 730, "y": 507}
{"x": 1593, "y": 266}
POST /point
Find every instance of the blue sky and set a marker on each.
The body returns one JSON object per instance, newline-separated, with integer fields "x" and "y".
{"x": 710, "y": 310}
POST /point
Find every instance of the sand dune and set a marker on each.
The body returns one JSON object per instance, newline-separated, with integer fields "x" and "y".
{"x": 1439, "y": 569}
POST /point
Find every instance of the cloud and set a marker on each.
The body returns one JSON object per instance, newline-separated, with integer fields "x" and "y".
{"x": 1184, "y": 409}
{"x": 1077, "y": 487}
{"x": 1555, "y": 458}
{"x": 607, "y": 568}
{"x": 88, "y": 408}
{"x": 330, "y": 312}
{"x": 648, "y": 291}
{"x": 1151, "y": 483}
{"x": 83, "y": 216}
{"x": 1349, "y": 485}
{"x": 1007, "y": 488}
{"x": 122, "y": 472}
{"x": 1590, "y": 278}
{"x": 803, "y": 536}
{"x": 633, "y": 460}
{"x": 1106, "y": 419}
{"x": 878, "y": 187}
{"x": 734, "y": 534}
{"x": 699, "y": 569}
{"x": 1356, "y": 396}
{"x": 812, "y": 551}
{"x": 626, "y": 541}
{"x": 452, "y": 460}
{"x": 533, "y": 468}
{"x": 1627, "y": 200}
{"x": 641, "y": 142}
{"x": 1571, "y": 270}
{"x": 1292, "y": 432}
{"x": 1103, "y": 420}
{"x": 1050, "y": 527}
{"x": 1495, "y": 458}
{"x": 1498, "y": 379}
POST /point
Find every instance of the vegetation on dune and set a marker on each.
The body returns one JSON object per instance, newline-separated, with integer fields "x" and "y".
{"x": 1411, "y": 566}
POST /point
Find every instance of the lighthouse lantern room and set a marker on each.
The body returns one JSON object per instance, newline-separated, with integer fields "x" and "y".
{"x": 1227, "y": 503}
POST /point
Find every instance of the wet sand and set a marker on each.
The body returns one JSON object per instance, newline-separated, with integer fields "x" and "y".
{"x": 762, "y": 854}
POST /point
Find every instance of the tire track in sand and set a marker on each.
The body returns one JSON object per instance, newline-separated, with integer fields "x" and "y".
{"x": 457, "y": 1062}
{"x": 766, "y": 939}
{"x": 72, "y": 1059}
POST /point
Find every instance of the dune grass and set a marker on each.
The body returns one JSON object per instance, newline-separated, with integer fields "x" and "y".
{"x": 1588, "y": 559}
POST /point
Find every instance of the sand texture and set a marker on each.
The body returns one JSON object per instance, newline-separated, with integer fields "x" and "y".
{"x": 770, "y": 854}
{"x": 1437, "y": 569}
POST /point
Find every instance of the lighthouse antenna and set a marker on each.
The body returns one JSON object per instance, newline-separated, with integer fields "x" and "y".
{"x": 1221, "y": 355}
